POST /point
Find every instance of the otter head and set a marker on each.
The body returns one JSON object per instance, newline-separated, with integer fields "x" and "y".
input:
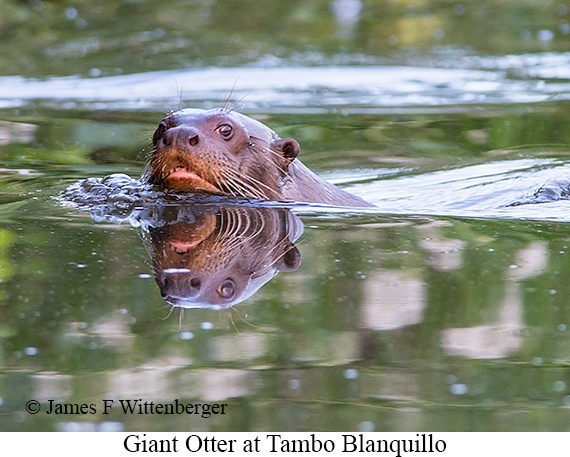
{"x": 218, "y": 257}
{"x": 220, "y": 152}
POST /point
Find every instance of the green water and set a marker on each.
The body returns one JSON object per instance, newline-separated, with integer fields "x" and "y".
{"x": 391, "y": 322}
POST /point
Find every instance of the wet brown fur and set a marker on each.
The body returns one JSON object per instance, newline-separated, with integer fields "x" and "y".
{"x": 252, "y": 162}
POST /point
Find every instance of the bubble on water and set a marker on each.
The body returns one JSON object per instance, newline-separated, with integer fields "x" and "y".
{"x": 93, "y": 345}
{"x": 71, "y": 13}
{"x": 537, "y": 361}
{"x": 451, "y": 379}
{"x": 31, "y": 350}
{"x": 80, "y": 23}
{"x": 458, "y": 389}
{"x": 145, "y": 276}
{"x": 561, "y": 327}
{"x": 95, "y": 72}
{"x": 552, "y": 292}
{"x": 67, "y": 427}
{"x": 76, "y": 427}
{"x": 145, "y": 36}
{"x": 564, "y": 27}
{"x": 206, "y": 325}
{"x": 81, "y": 265}
{"x": 124, "y": 311}
{"x": 294, "y": 384}
{"x": 109, "y": 426}
{"x": 545, "y": 35}
{"x": 459, "y": 9}
{"x": 559, "y": 386}
{"x": 347, "y": 12}
{"x": 491, "y": 250}
{"x": 350, "y": 373}
{"x": 186, "y": 335}
{"x": 513, "y": 267}
{"x": 366, "y": 426}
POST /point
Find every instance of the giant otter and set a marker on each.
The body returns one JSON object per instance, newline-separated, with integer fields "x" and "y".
{"x": 224, "y": 152}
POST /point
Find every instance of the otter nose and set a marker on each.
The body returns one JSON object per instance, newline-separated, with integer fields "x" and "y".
{"x": 181, "y": 136}
{"x": 195, "y": 283}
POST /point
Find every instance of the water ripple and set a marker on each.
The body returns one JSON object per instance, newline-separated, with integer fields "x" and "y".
{"x": 301, "y": 88}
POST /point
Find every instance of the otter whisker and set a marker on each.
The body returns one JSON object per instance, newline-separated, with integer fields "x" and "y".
{"x": 243, "y": 318}
{"x": 226, "y": 104}
{"x": 255, "y": 181}
{"x": 180, "y": 318}
{"x": 260, "y": 144}
{"x": 266, "y": 267}
{"x": 277, "y": 245}
{"x": 233, "y": 323}
{"x": 223, "y": 184}
{"x": 169, "y": 313}
{"x": 242, "y": 187}
{"x": 238, "y": 179}
{"x": 233, "y": 188}
{"x": 238, "y": 103}
{"x": 233, "y": 184}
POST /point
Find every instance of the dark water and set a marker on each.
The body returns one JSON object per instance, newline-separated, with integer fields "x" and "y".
{"x": 446, "y": 308}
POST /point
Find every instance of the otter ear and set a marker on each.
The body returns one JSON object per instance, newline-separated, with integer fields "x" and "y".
{"x": 290, "y": 260}
{"x": 287, "y": 147}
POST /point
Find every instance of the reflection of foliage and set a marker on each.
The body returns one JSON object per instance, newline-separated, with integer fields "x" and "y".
{"x": 7, "y": 239}
{"x": 74, "y": 37}
{"x": 426, "y": 141}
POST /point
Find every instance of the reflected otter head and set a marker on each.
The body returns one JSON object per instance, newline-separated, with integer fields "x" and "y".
{"x": 221, "y": 152}
{"x": 222, "y": 256}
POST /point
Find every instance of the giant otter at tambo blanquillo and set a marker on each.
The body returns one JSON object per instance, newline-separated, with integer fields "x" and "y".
{"x": 224, "y": 152}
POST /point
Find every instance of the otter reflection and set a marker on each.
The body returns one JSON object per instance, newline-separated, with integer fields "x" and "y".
{"x": 216, "y": 257}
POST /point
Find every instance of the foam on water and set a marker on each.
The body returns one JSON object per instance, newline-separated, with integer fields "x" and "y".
{"x": 525, "y": 188}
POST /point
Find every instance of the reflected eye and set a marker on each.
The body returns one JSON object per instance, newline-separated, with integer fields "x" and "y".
{"x": 159, "y": 132}
{"x": 227, "y": 289}
{"x": 226, "y": 131}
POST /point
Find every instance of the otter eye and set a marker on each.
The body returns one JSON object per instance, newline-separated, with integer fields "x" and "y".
{"x": 159, "y": 132}
{"x": 226, "y": 131}
{"x": 227, "y": 289}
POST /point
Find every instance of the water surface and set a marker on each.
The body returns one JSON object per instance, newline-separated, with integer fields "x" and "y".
{"x": 444, "y": 308}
